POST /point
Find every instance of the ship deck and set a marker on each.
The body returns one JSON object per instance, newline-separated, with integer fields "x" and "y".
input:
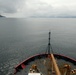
{"x": 44, "y": 65}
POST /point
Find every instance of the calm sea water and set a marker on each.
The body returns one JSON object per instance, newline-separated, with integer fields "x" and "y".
{"x": 22, "y": 38}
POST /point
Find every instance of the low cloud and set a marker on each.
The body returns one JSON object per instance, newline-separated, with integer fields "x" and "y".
{"x": 37, "y": 8}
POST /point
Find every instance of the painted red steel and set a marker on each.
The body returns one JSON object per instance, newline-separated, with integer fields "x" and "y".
{"x": 24, "y": 66}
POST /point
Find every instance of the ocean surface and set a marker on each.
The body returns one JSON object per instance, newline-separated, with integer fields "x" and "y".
{"x": 22, "y": 38}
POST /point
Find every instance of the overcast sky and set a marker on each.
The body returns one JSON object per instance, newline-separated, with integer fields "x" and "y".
{"x": 37, "y": 8}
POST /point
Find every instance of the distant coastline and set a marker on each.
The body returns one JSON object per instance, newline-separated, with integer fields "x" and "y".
{"x": 53, "y": 16}
{"x": 1, "y": 16}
